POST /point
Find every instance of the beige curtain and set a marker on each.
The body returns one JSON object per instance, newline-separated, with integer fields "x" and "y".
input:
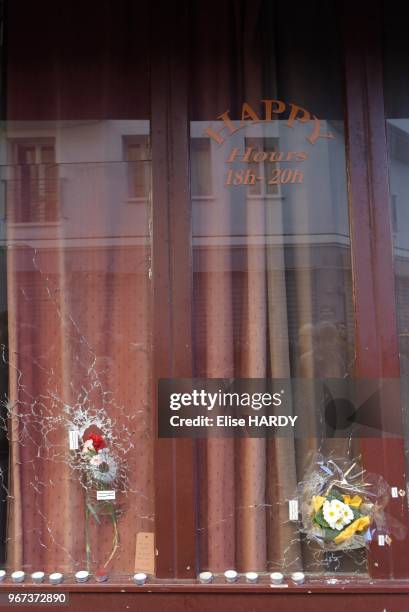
{"x": 259, "y": 307}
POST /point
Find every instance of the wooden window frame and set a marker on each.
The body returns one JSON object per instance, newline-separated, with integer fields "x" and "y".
{"x": 376, "y": 330}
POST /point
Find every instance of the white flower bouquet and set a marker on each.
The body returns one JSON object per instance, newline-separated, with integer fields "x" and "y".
{"x": 99, "y": 470}
{"x": 341, "y": 504}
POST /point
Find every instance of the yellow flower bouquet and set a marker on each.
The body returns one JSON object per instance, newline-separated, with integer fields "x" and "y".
{"x": 341, "y": 504}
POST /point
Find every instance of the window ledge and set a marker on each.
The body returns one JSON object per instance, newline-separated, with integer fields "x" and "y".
{"x": 346, "y": 585}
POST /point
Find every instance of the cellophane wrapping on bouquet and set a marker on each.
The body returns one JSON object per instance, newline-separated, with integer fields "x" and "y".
{"x": 342, "y": 505}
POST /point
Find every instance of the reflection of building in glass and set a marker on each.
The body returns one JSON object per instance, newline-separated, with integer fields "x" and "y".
{"x": 300, "y": 231}
{"x": 68, "y": 174}
{"x": 32, "y": 190}
{"x": 136, "y": 153}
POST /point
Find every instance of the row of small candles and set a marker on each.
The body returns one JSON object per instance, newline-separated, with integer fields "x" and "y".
{"x": 57, "y": 577}
{"x": 140, "y": 578}
{"x": 252, "y": 577}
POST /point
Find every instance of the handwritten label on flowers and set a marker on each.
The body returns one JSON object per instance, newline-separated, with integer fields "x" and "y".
{"x": 73, "y": 439}
{"x": 101, "y": 495}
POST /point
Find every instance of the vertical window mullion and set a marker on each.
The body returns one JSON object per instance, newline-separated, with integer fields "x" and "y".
{"x": 172, "y": 292}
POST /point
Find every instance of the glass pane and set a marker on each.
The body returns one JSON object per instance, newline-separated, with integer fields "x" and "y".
{"x": 75, "y": 292}
{"x": 272, "y": 265}
{"x": 272, "y": 289}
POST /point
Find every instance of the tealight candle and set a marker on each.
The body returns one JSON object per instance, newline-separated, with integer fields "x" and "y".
{"x": 252, "y": 577}
{"x": 140, "y": 578}
{"x": 56, "y": 578}
{"x": 82, "y": 576}
{"x": 298, "y": 577}
{"x": 101, "y": 576}
{"x": 276, "y": 577}
{"x": 230, "y": 575}
{"x": 2, "y": 575}
{"x": 37, "y": 577}
{"x": 18, "y": 576}
{"x": 205, "y": 577}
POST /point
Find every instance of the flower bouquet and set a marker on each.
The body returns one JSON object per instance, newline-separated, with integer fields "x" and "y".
{"x": 99, "y": 471}
{"x": 97, "y": 459}
{"x": 340, "y": 517}
{"x": 341, "y": 504}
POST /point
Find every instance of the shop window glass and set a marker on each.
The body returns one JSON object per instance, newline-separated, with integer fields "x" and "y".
{"x": 272, "y": 266}
{"x": 76, "y": 453}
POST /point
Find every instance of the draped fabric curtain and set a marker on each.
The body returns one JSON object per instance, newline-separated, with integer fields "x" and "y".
{"x": 263, "y": 289}
{"x": 78, "y": 287}
{"x": 78, "y": 337}
{"x": 271, "y": 284}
